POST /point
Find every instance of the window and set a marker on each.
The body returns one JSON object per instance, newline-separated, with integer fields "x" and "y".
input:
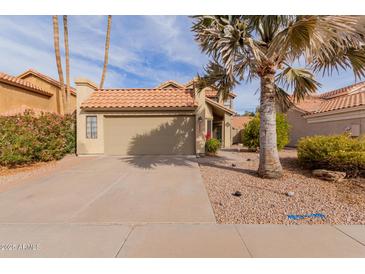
{"x": 91, "y": 127}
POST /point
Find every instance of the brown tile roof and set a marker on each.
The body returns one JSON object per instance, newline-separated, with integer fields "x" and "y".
{"x": 309, "y": 104}
{"x": 342, "y": 102}
{"x": 140, "y": 98}
{"x": 209, "y": 92}
{"x": 45, "y": 78}
{"x": 342, "y": 91}
{"x": 15, "y": 81}
{"x": 239, "y": 122}
{"x": 343, "y": 98}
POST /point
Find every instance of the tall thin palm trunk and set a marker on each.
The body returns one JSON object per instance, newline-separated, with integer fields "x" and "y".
{"x": 107, "y": 43}
{"x": 269, "y": 166}
{"x": 56, "y": 39}
{"x": 67, "y": 54}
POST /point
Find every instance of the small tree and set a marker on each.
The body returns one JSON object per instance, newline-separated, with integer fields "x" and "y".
{"x": 268, "y": 47}
{"x": 251, "y": 132}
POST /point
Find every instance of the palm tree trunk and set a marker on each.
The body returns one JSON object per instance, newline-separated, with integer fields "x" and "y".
{"x": 269, "y": 166}
{"x": 56, "y": 39}
{"x": 107, "y": 43}
{"x": 67, "y": 53}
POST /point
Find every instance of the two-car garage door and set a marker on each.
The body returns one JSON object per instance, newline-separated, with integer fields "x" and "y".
{"x": 164, "y": 135}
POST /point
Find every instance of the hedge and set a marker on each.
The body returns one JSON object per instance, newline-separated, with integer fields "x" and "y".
{"x": 28, "y": 138}
{"x": 334, "y": 152}
{"x": 251, "y": 132}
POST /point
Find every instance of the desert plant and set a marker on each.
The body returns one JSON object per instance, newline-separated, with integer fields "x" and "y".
{"x": 251, "y": 132}
{"x": 335, "y": 152}
{"x": 212, "y": 145}
{"x": 267, "y": 47}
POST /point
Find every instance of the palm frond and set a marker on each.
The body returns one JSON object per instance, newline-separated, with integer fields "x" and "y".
{"x": 228, "y": 40}
{"x": 313, "y": 35}
{"x": 216, "y": 76}
{"x": 299, "y": 80}
{"x": 348, "y": 58}
{"x": 283, "y": 99}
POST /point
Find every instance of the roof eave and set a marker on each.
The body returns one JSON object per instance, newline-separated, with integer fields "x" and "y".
{"x": 86, "y": 108}
{"x": 215, "y": 104}
{"x": 42, "y": 92}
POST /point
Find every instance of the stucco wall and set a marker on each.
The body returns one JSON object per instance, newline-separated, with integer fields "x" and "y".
{"x": 56, "y": 91}
{"x": 300, "y": 127}
{"x": 12, "y": 97}
{"x": 200, "y": 122}
{"x": 227, "y": 130}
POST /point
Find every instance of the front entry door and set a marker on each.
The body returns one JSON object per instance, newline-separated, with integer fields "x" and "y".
{"x": 217, "y": 132}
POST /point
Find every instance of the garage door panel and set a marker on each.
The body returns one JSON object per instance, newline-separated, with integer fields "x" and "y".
{"x": 149, "y": 135}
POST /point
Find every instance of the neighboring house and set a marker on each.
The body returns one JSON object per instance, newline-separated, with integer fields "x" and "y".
{"x": 333, "y": 112}
{"x": 31, "y": 90}
{"x": 238, "y": 124}
{"x": 169, "y": 119}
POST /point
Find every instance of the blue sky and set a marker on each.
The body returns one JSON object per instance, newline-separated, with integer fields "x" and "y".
{"x": 144, "y": 51}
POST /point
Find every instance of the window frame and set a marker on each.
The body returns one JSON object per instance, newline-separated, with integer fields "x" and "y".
{"x": 91, "y": 134}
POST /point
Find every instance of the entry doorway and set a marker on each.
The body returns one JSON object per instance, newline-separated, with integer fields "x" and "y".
{"x": 217, "y": 131}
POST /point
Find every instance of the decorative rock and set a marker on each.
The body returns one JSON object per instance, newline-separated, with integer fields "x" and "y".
{"x": 290, "y": 193}
{"x": 329, "y": 175}
{"x": 237, "y": 194}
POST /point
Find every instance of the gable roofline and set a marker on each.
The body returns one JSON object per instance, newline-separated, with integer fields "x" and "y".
{"x": 340, "y": 102}
{"x": 18, "y": 82}
{"x": 46, "y": 78}
{"x": 342, "y": 91}
{"x": 170, "y": 82}
{"x": 216, "y": 104}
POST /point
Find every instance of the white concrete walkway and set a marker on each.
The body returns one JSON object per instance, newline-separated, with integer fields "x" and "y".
{"x": 180, "y": 240}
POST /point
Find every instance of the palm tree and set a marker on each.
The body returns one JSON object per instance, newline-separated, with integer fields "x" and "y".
{"x": 267, "y": 48}
{"x": 56, "y": 39}
{"x": 106, "y": 54}
{"x": 67, "y": 54}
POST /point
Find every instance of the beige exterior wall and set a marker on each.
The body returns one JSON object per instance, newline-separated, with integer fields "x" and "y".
{"x": 201, "y": 122}
{"x": 236, "y": 136}
{"x": 84, "y": 145}
{"x": 12, "y": 97}
{"x": 335, "y": 123}
{"x": 227, "y": 126}
{"x": 56, "y": 91}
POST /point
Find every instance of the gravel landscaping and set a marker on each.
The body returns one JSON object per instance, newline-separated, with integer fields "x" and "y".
{"x": 260, "y": 201}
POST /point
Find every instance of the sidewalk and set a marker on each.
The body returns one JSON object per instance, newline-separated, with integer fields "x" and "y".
{"x": 180, "y": 240}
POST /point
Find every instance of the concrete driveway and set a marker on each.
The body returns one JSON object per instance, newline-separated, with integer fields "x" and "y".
{"x": 146, "y": 189}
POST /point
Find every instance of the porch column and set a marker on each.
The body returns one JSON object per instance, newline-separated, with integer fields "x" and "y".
{"x": 200, "y": 122}
{"x": 227, "y": 131}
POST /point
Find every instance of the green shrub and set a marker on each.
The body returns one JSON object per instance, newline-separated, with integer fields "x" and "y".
{"x": 212, "y": 145}
{"x": 251, "y": 132}
{"x": 335, "y": 152}
{"x": 28, "y": 138}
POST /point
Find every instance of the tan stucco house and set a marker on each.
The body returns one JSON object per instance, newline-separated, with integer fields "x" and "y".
{"x": 333, "y": 112}
{"x": 32, "y": 90}
{"x": 172, "y": 118}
